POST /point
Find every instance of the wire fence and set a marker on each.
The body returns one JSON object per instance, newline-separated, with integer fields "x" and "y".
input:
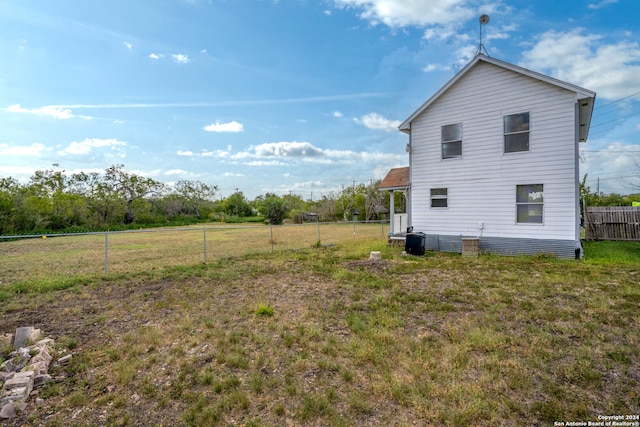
{"x": 33, "y": 257}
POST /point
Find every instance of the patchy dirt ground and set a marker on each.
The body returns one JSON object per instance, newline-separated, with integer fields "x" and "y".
{"x": 191, "y": 321}
{"x": 317, "y": 338}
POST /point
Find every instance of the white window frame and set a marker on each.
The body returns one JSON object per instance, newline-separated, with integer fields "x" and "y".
{"x": 530, "y": 202}
{"x": 513, "y": 132}
{"x": 444, "y": 195}
{"x": 450, "y": 142}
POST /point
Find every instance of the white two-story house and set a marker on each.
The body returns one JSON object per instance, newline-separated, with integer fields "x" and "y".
{"x": 494, "y": 156}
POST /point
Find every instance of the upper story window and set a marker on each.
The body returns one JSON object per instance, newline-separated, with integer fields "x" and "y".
{"x": 516, "y": 132}
{"x": 529, "y": 203}
{"x": 438, "y": 197}
{"x": 452, "y": 141}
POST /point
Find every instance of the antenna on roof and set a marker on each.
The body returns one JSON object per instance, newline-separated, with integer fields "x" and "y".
{"x": 484, "y": 19}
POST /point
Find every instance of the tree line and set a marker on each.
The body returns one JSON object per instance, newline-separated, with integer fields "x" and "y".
{"x": 54, "y": 201}
{"x": 594, "y": 198}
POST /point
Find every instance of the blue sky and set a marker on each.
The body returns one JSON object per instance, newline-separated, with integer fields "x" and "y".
{"x": 288, "y": 96}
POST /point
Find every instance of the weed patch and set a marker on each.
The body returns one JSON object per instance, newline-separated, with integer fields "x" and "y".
{"x": 323, "y": 336}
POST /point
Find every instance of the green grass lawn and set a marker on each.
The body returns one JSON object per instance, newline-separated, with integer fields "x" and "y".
{"x": 323, "y": 336}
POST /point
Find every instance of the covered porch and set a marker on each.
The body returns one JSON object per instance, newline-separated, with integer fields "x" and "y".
{"x": 397, "y": 181}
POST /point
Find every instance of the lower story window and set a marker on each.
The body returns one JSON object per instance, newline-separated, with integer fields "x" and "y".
{"x": 529, "y": 203}
{"x": 438, "y": 197}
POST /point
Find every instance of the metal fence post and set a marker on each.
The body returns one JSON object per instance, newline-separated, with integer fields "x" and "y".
{"x": 106, "y": 253}
{"x": 319, "y": 233}
{"x": 354, "y": 230}
{"x": 271, "y": 228}
{"x": 204, "y": 231}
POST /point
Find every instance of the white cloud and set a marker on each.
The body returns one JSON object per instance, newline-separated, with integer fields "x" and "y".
{"x": 376, "y": 121}
{"x": 287, "y": 149}
{"x": 585, "y": 60}
{"x": 129, "y": 46}
{"x": 175, "y": 172}
{"x": 179, "y": 58}
{"x": 337, "y": 114}
{"x": 156, "y": 55}
{"x": 438, "y": 33}
{"x": 233, "y": 103}
{"x": 436, "y": 67}
{"x": 33, "y": 150}
{"x": 224, "y": 127}
{"x": 402, "y": 13}
{"x": 49, "y": 110}
{"x": 260, "y": 163}
{"x": 216, "y": 153}
{"x": 500, "y": 33}
{"x": 206, "y": 153}
{"x": 601, "y": 4}
{"x": 88, "y": 144}
{"x": 294, "y": 152}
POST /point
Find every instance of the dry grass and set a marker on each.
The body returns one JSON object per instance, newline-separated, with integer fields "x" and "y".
{"x": 53, "y": 258}
{"x": 434, "y": 340}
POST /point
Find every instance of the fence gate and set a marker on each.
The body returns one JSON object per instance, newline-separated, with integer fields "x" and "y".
{"x": 613, "y": 223}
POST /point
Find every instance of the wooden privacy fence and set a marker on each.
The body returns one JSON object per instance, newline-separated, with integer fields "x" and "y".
{"x": 613, "y": 223}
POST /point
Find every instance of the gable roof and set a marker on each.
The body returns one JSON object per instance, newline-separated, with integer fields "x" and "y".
{"x": 585, "y": 97}
{"x": 396, "y": 179}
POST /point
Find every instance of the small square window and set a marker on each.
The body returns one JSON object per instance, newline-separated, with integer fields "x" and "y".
{"x": 516, "y": 133}
{"x": 529, "y": 203}
{"x": 438, "y": 197}
{"x": 451, "y": 138}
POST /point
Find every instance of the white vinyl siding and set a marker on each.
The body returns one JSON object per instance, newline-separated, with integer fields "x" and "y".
{"x": 484, "y": 180}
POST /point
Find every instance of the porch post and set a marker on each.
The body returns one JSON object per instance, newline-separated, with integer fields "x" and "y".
{"x": 391, "y": 212}
{"x": 407, "y": 195}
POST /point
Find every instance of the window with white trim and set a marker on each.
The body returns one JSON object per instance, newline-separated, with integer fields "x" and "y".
{"x": 438, "y": 197}
{"x": 516, "y": 132}
{"x": 451, "y": 137}
{"x": 529, "y": 203}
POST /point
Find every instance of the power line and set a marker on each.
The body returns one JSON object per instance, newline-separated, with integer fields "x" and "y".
{"x": 610, "y": 151}
{"x": 615, "y": 120}
{"x": 609, "y": 179}
{"x": 617, "y": 100}
{"x": 598, "y": 115}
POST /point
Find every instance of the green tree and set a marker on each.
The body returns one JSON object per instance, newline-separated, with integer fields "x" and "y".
{"x": 274, "y": 208}
{"x": 375, "y": 201}
{"x": 327, "y": 207}
{"x": 48, "y": 182}
{"x": 9, "y": 191}
{"x": 353, "y": 202}
{"x": 195, "y": 195}
{"x": 130, "y": 187}
{"x": 237, "y": 205}
{"x": 68, "y": 210}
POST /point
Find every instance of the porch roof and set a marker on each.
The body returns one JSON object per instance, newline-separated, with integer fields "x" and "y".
{"x": 396, "y": 179}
